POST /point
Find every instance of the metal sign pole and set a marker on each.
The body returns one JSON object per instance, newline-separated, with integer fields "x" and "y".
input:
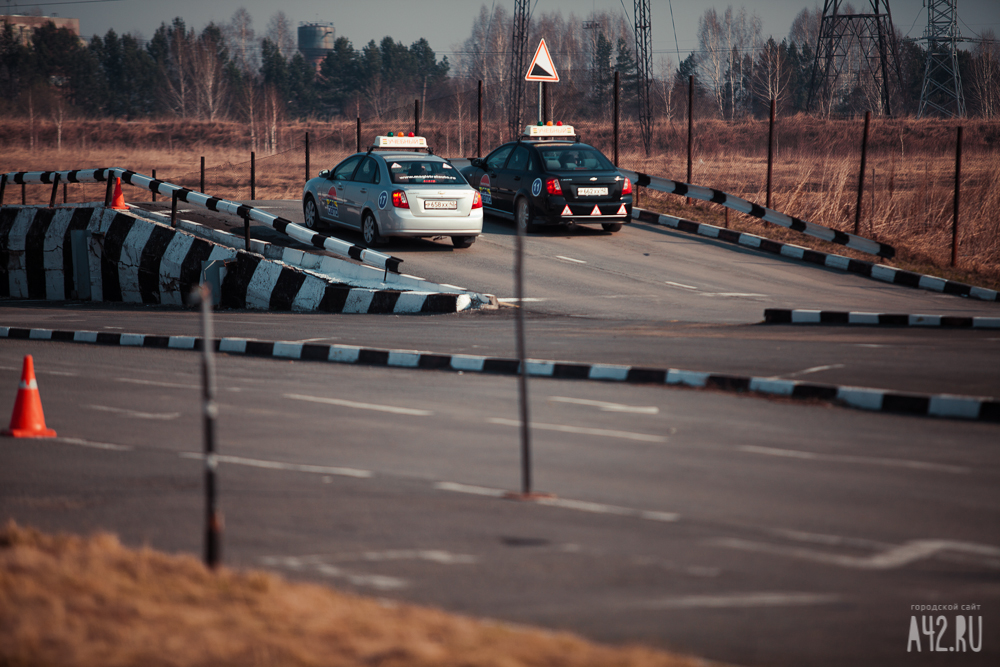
{"x": 523, "y": 376}
{"x": 213, "y": 518}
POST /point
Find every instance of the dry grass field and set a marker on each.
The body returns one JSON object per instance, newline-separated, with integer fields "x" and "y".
{"x": 68, "y": 601}
{"x": 908, "y": 199}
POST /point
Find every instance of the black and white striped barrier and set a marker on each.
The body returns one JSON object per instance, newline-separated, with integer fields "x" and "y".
{"x": 930, "y": 405}
{"x": 132, "y": 260}
{"x": 858, "y": 243}
{"x": 297, "y": 232}
{"x": 802, "y": 316}
{"x": 879, "y": 272}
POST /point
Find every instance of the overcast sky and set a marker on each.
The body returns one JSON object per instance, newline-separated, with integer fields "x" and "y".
{"x": 447, "y": 23}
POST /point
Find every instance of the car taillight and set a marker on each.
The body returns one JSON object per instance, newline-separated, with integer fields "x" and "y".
{"x": 627, "y": 187}
{"x": 477, "y": 201}
{"x": 553, "y": 187}
{"x": 399, "y": 199}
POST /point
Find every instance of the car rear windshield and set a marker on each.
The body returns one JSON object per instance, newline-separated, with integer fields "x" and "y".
{"x": 574, "y": 158}
{"x": 409, "y": 172}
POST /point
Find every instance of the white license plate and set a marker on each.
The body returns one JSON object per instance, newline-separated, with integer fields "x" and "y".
{"x": 591, "y": 192}
{"x": 440, "y": 205}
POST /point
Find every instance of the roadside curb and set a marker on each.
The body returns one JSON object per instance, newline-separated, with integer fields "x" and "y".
{"x": 802, "y": 316}
{"x": 862, "y": 398}
{"x": 879, "y": 272}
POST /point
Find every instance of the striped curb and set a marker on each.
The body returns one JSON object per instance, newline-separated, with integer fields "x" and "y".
{"x": 802, "y": 316}
{"x": 297, "y": 232}
{"x": 885, "y": 274}
{"x": 862, "y": 398}
{"x": 858, "y": 243}
{"x": 133, "y": 260}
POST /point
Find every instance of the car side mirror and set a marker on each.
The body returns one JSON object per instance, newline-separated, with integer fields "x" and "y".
{"x": 325, "y": 173}
{"x": 476, "y": 162}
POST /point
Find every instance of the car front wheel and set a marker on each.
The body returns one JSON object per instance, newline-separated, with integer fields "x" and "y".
{"x": 369, "y": 229}
{"x": 311, "y": 214}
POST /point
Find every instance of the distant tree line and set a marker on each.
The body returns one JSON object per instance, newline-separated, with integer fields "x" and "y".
{"x": 228, "y": 72}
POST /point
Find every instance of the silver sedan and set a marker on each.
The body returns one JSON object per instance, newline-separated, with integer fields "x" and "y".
{"x": 385, "y": 193}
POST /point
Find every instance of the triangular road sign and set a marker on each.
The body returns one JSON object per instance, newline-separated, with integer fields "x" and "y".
{"x": 541, "y": 67}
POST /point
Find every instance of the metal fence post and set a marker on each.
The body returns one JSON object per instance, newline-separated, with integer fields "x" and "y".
{"x": 55, "y": 190}
{"x": 359, "y": 135}
{"x": 154, "y": 190}
{"x": 307, "y": 156}
{"x": 770, "y": 154}
{"x": 616, "y": 96}
{"x": 416, "y": 117}
{"x": 202, "y": 182}
{"x": 690, "y": 174}
{"x": 3, "y": 186}
{"x": 479, "y": 126}
{"x": 253, "y": 176}
{"x": 861, "y": 176}
{"x": 173, "y": 208}
{"x": 958, "y": 191}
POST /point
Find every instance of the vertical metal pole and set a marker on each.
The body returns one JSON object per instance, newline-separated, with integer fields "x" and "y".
{"x": 770, "y": 154}
{"x": 359, "y": 134}
{"x": 55, "y": 190}
{"x": 213, "y": 518}
{"x": 202, "y": 182}
{"x": 246, "y": 233}
{"x": 479, "y": 126}
{"x": 3, "y": 186}
{"x": 616, "y": 97}
{"x": 690, "y": 130}
{"x": 861, "y": 176}
{"x": 24, "y": 194}
{"x": 307, "y": 156}
{"x": 65, "y": 193}
{"x": 416, "y": 117}
{"x": 173, "y": 208}
{"x": 727, "y": 217}
{"x": 154, "y": 190}
{"x": 545, "y": 102}
{"x": 108, "y": 189}
{"x": 253, "y": 176}
{"x": 523, "y": 376}
{"x": 958, "y": 191}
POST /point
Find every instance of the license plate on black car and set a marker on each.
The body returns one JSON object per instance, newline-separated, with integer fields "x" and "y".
{"x": 592, "y": 192}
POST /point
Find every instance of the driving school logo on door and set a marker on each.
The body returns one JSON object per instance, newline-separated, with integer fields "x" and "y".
{"x": 330, "y": 201}
{"x": 484, "y": 189}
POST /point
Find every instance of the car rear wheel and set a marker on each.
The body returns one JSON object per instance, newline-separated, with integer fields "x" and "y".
{"x": 611, "y": 226}
{"x": 463, "y": 241}
{"x": 311, "y": 213}
{"x": 523, "y": 217}
{"x": 369, "y": 229}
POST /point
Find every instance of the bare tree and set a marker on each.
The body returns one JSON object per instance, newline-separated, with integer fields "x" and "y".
{"x": 771, "y": 73}
{"x": 805, "y": 27}
{"x": 727, "y": 44}
{"x": 244, "y": 49}
{"x": 279, "y": 31}
{"x": 985, "y": 81}
{"x": 664, "y": 86}
{"x": 207, "y": 73}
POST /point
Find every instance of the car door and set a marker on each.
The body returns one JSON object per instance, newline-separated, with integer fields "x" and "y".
{"x": 510, "y": 178}
{"x": 360, "y": 189}
{"x": 333, "y": 203}
{"x": 487, "y": 184}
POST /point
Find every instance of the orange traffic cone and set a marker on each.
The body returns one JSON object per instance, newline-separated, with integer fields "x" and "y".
{"x": 118, "y": 202}
{"x": 28, "y": 421}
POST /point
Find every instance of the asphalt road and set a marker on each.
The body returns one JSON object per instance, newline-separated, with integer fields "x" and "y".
{"x": 758, "y": 532}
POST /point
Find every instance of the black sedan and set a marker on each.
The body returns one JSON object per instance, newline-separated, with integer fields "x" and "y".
{"x": 547, "y": 177}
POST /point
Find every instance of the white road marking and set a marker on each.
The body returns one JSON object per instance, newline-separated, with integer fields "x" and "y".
{"x": 565, "y": 503}
{"x": 376, "y": 581}
{"x": 608, "y": 407}
{"x": 842, "y": 458}
{"x": 413, "y": 412}
{"x": 624, "y": 435}
{"x": 94, "y": 445}
{"x": 681, "y": 285}
{"x": 570, "y": 259}
{"x": 814, "y": 369}
{"x": 433, "y": 555}
{"x": 733, "y": 294}
{"x": 892, "y": 558}
{"x": 38, "y": 371}
{"x": 279, "y": 465}
{"x": 159, "y": 416}
{"x": 157, "y": 383}
{"x": 741, "y": 600}
{"x": 514, "y": 299}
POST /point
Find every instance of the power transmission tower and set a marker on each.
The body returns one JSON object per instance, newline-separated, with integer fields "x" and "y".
{"x": 942, "y": 88}
{"x": 856, "y": 54}
{"x": 519, "y": 44}
{"x": 644, "y": 68}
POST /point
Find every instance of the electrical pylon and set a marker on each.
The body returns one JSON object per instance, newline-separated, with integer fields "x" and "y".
{"x": 519, "y": 44}
{"x": 644, "y": 69}
{"x": 855, "y": 53}
{"x": 942, "y": 87}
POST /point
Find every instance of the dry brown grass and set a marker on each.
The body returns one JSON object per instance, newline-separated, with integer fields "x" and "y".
{"x": 908, "y": 195}
{"x": 67, "y": 600}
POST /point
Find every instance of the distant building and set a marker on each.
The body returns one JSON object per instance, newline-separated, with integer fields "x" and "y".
{"x": 315, "y": 41}
{"x": 25, "y": 25}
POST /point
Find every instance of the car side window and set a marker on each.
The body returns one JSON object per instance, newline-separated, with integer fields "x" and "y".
{"x": 519, "y": 159}
{"x": 368, "y": 172}
{"x": 344, "y": 170}
{"x": 498, "y": 157}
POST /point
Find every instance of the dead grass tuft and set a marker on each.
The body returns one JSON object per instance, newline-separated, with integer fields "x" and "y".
{"x": 68, "y": 600}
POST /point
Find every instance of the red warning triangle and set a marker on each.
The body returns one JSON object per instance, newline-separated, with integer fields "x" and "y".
{"x": 622, "y": 210}
{"x": 566, "y": 210}
{"x": 596, "y": 210}
{"x": 541, "y": 67}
